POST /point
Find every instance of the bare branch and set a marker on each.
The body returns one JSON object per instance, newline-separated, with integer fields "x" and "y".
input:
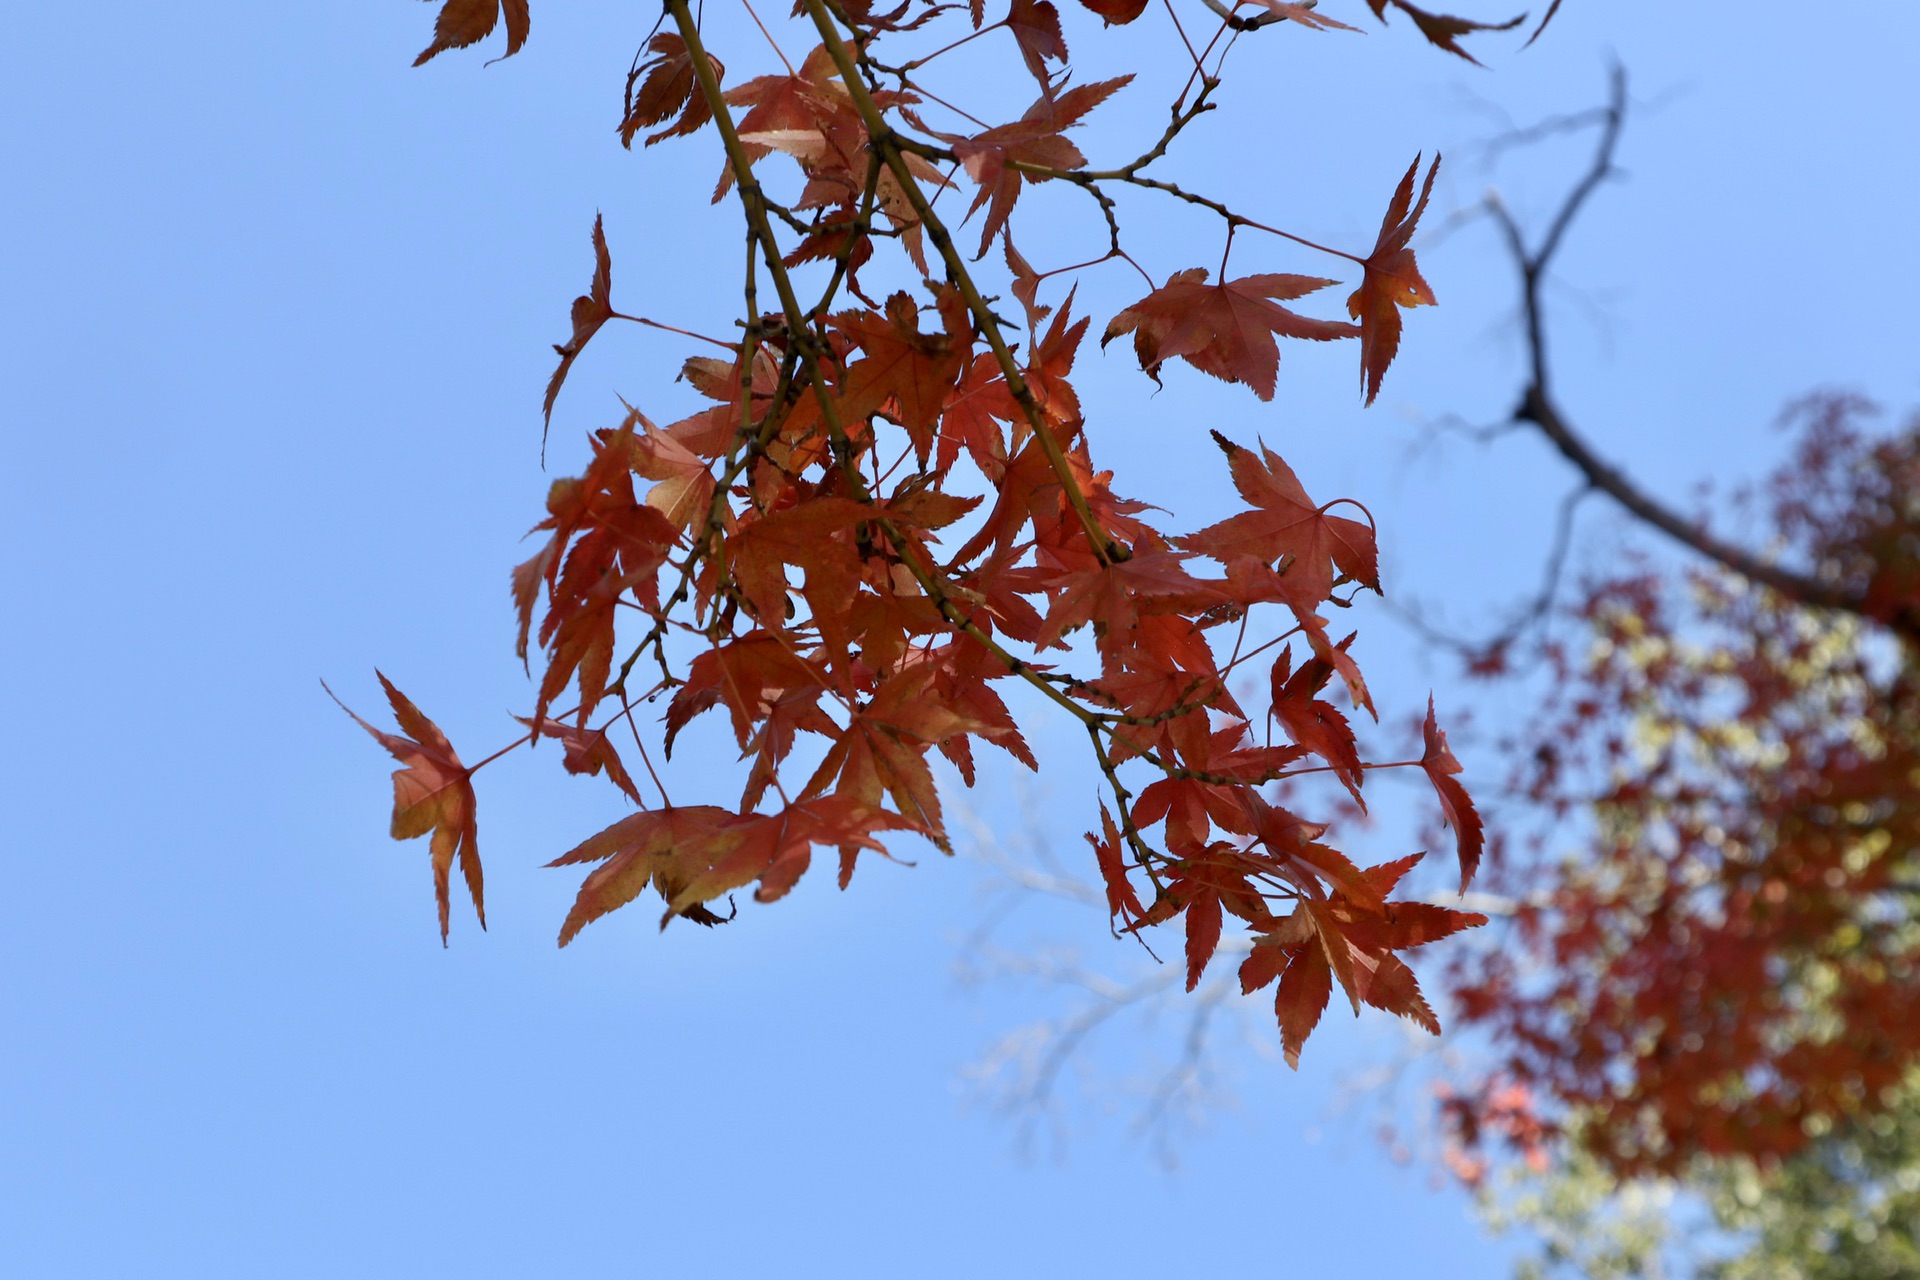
{"x": 1538, "y": 408}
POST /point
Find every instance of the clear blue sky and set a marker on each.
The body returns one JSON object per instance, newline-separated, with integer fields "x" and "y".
{"x": 276, "y": 322}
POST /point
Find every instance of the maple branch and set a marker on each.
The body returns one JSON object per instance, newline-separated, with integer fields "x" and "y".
{"x": 782, "y": 53}
{"x": 626, "y": 713}
{"x": 1538, "y": 408}
{"x": 1087, "y": 178}
{"x": 800, "y": 335}
{"x": 1143, "y": 853}
{"x": 842, "y": 656}
{"x": 916, "y": 63}
{"x": 861, "y": 226}
{"x": 669, "y": 328}
{"x": 1181, "y": 119}
{"x": 881, "y": 136}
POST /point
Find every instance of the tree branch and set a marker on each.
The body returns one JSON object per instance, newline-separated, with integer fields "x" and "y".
{"x": 1538, "y": 407}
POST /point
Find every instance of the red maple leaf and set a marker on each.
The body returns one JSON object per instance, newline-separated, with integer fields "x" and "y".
{"x": 1035, "y": 139}
{"x": 905, "y": 373}
{"x": 1392, "y": 281}
{"x": 465, "y": 22}
{"x": 1117, "y": 13}
{"x": 1314, "y": 724}
{"x": 1224, "y": 329}
{"x": 590, "y": 310}
{"x": 882, "y": 752}
{"x": 1035, "y": 24}
{"x": 1442, "y": 30}
{"x": 1109, "y": 853}
{"x": 1300, "y": 1000}
{"x": 1440, "y": 766}
{"x": 670, "y": 89}
{"x": 1285, "y": 522}
{"x": 433, "y": 792}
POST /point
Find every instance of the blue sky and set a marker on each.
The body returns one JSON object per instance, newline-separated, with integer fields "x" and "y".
{"x": 278, "y": 315}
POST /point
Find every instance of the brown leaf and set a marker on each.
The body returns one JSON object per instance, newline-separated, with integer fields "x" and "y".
{"x": 1551, "y": 10}
{"x": 465, "y": 22}
{"x": 670, "y": 89}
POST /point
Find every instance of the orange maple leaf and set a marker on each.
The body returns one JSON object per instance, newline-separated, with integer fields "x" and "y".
{"x": 905, "y": 373}
{"x": 1223, "y": 329}
{"x": 432, "y": 793}
{"x": 1392, "y": 281}
{"x": 1285, "y": 522}
{"x": 588, "y": 751}
{"x": 465, "y": 22}
{"x": 661, "y": 847}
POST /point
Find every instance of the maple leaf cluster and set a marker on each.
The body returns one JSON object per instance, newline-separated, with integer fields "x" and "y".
{"x": 889, "y": 511}
{"x": 1734, "y": 964}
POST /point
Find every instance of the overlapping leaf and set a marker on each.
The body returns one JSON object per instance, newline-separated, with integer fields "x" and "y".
{"x": 667, "y": 89}
{"x": 465, "y": 22}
